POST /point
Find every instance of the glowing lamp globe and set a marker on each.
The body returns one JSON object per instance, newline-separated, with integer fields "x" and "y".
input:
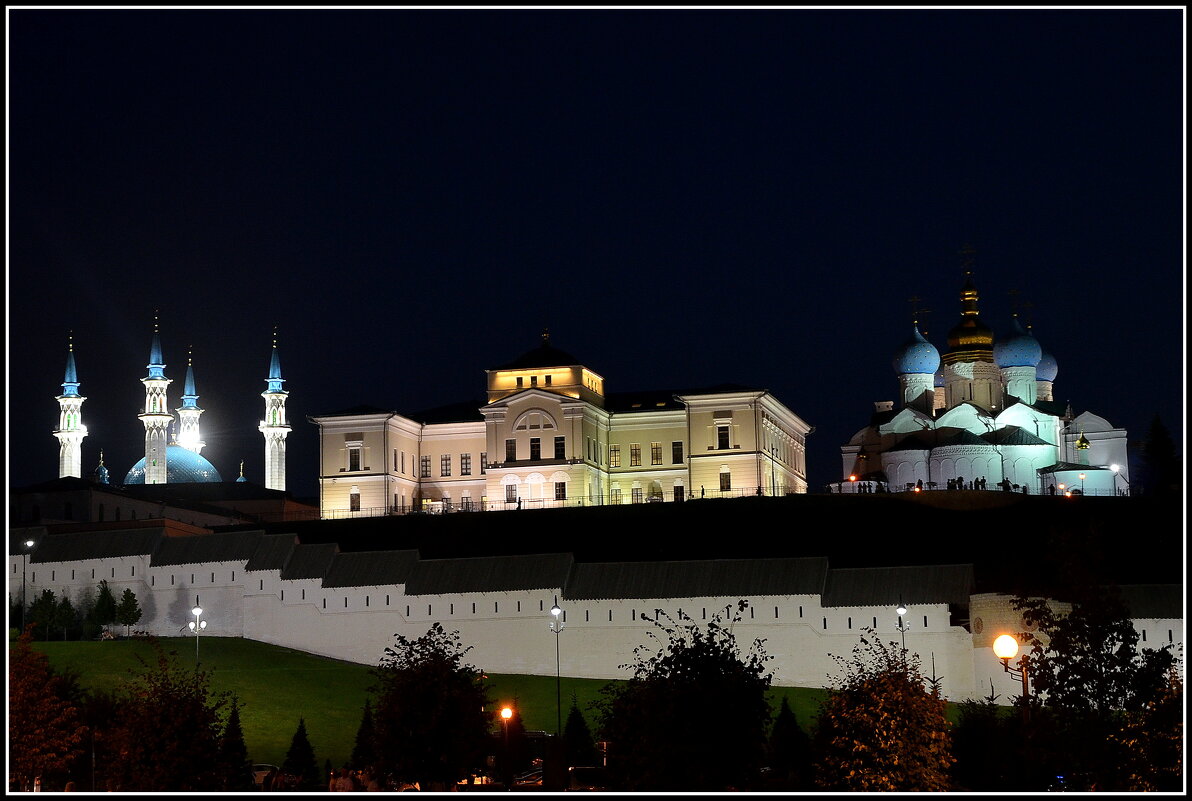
{"x": 1005, "y": 647}
{"x": 506, "y": 713}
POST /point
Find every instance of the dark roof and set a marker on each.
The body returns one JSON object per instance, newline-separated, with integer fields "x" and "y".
{"x": 272, "y": 552}
{"x": 67, "y": 484}
{"x": 1154, "y": 600}
{"x": 878, "y": 586}
{"x": 309, "y": 561}
{"x": 879, "y": 418}
{"x": 211, "y": 492}
{"x": 80, "y": 545}
{"x": 463, "y": 412}
{"x": 663, "y": 399}
{"x": 545, "y": 355}
{"x": 1061, "y": 467}
{"x": 913, "y": 442}
{"x": 370, "y": 568}
{"x": 961, "y": 437}
{"x": 233, "y": 547}
{"x": 697, "y": 579}
{"x": 355, "y": 410}
{"x": 490, "y": 574}
{"x": 1054, "y": 408}
{"x": 1013, "y": 435}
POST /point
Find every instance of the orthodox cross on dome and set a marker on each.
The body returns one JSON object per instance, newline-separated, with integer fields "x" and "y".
{"x": 917, "y": 312}
{"x": 546, "y": 336}
{"x": 968, "y": 258}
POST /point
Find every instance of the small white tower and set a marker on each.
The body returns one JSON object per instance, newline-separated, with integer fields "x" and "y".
{"x": 189, "y": 412}
{"x": 274, "y": 426}
{"x": 156, "y": 417}
{"x": 70, "y": 431}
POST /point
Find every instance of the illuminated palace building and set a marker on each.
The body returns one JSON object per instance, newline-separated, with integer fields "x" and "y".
{"x": 982, "y": 417}
{"x": 549, "y": 435}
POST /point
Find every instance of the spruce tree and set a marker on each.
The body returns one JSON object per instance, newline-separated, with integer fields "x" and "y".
{"x": 104, "y": 611}
{"x": 577, "y": 738}
{"x": 233, "y": 753}
{"x": 364, "y": 751}
{"x": 128, "y": 611}
{"x": 300, "y": 760}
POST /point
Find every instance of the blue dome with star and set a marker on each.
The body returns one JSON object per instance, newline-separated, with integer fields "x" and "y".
{"x": 182, "y": 467}
{"x": 1046, "y": 369}
{"x": 1019, "y": 349}
{"x": 917, "y": 355}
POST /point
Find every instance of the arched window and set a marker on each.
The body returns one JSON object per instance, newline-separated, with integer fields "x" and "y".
{"x": 535, "y": 420}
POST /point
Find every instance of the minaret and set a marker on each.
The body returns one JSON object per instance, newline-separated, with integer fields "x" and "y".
{"x": 70, "y": 431}
{"x": 155, "y": 417}
{"x": 274, "y": 426}
{"x": 189, "y": 412}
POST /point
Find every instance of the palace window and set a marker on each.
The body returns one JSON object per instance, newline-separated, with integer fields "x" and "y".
{"x": 726, "y": 481}
{"x": 533, "y": 380}
{"x": 425, "y": 465}
{"x": 483, "y": 463}
{"x": 615, "y": 496}
{"x": 465, "y": 464}
{"x": 614, "y": 455}
{"x": 560, "y": 490}
{"x": 510, "y": 493}
{"x": 721, "y": 437}
{"x": 519, "y": 382}
{"x": 511, "y": 450}
{"x": 353, "y": 458}
{"x": 535, "y": 448}
{"x": 637, "y": 495}
{"x": 560, "y": 447}
{"x": 445, "y": 465}
{"x": 655, "y": 453}
{"x": 676, "y": 453}
{"x": 635, "y": 455}
{"x": 354, "y": 502}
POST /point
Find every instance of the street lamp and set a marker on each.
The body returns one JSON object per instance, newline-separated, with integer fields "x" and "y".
{"x": 902, "y": 627}
{"x": 556, "y": 628}
{"x": 1005, "y": 648}
{"x": 1082, "y": 484}
{"x": 197, "y": 626}
{"x": 28, "y": 545}
{"x": 507, "y": 773}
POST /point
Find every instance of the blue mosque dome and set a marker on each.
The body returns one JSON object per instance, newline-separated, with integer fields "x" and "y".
{"x": 182, "y": 467}
{"x": 1019, "y": 349}
{"x": 916, "y": 355}
{"x": 1046, "y": 369}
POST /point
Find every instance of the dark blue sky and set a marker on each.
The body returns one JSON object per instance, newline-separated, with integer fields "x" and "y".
{"x": 684, "y": 198}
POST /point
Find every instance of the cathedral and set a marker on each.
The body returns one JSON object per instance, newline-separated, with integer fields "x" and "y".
{"x": 982, "y": 416}
{"x": 173, "y": 448}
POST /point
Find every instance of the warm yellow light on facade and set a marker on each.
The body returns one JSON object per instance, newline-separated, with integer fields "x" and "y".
{"x": 1005, "y": 647}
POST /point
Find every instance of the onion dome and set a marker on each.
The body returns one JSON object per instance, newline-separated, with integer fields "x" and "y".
{"x": 1082, "y": 444}
{"x": 182, "y": 467}
{"x": 101, "y": 473}
{"x": 916, "y": 355}
{"x": 1019, "y": 349}
{"x": 242, "y": 479}
{"x": 1046, "y": 369}
{"x": 970, "y": 340}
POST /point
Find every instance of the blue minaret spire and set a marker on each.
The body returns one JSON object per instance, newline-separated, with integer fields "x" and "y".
{"x": 274, "y": 427}
{"x": 156, "y": 417}
{"x": 189, "y": 397}
{"x": 156, "y": 365}
{"x": 275, "y": 380}
{"x": 70, "y": 384}
{"x": 189, "y": 412}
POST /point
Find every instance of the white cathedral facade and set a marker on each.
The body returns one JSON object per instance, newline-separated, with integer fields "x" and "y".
{"x": 982, "y": 416}
{"x": 177, "y": 459}
{"x": 550, "y": 436}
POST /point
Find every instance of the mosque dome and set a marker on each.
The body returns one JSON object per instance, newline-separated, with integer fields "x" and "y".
{"x": 916, "y": 355}
{"x": 1019, "y": 349}
{"x": 1046, "y": 369}
{"x": 182, "y": 467}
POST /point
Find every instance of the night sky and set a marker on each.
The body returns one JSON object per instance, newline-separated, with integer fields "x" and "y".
{"x": 684, "y": 198}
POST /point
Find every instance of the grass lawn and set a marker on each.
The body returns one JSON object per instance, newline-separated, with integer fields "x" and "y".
{"x": 278, "y": 685}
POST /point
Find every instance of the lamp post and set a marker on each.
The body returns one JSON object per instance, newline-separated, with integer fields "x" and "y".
{"x": 902, "y": 627}
{"x": 556, "y": 628}
{"x": 197, "y": 626}
{"x": 1005, "y": 648}
{"x": 27, "y": 546}
{"x": 1082, "y": 484}
{"x": 507, "y": 771}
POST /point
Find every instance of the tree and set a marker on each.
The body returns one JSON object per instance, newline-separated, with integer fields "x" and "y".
{"x": 1152, "y": 739}
{"x": 128, "y": 611}
{"x": 662, "y": 734}
{"x": 64, "y": 615}
{"x": 300, "y": 760}
{"x": 983, "y": 742}
{"x": 881, "y": 728}
{"x": 104, "y": 611}
{"x": 45, "y": 730}
{"x": 789, "y": 752}
{"x": 43, "y": 611}
{"x": 167, "y": 730}
{"x": 1087, "y": 673}
{"x": 364, "y": 750}
{"x": 580, "y": 748}
{"x": 233, "y": 754}
{"x": 430, "y": 716}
